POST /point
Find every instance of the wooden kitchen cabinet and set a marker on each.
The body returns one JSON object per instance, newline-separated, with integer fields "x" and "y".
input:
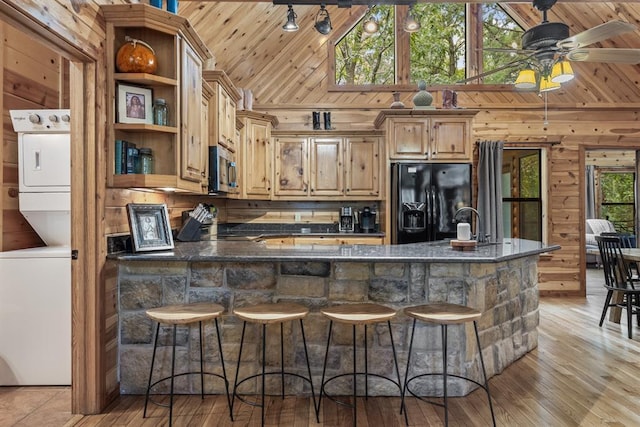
{"x": 362, "y": 167}
{"x": 338, "y": 240}
{"x": 435, "y": 135}
{"x": 291, "y": 166}
{"x": 207, "y": 94}
{"x": 192, "y": 165}
{"x": 256, "y": 154}
{"x": 223, "y": 119}
{"x": 178, "y": 147}
{"x": 332, "y": 166}
{"x": 327, "y": 167}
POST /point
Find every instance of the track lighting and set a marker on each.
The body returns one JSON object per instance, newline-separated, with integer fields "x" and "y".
{"x": 411, "y": 25}
{"x": 323, "y": 21}
{"x": 291, "y": 20}
{"x": 370, "y": 26}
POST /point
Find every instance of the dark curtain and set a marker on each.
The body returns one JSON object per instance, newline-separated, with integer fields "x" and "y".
{"x": 490, "y": 188}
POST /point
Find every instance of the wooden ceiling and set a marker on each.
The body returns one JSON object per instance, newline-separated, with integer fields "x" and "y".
{"x": 290, "y": 69}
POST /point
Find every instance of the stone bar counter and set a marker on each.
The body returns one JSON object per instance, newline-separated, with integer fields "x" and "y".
{"x": 500, "y": 280}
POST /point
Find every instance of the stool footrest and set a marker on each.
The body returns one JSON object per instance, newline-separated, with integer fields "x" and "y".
{"x": 439, "y": 374}
{"x": 180, "y": 375}
{"x": 248, "y": 402}
{"x": 350, "y": 374}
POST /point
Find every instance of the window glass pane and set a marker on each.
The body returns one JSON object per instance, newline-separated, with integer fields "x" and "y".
{"x": 522, "y": 202}
{"x": 499, "y": 32}
{"x": 530, "y": 176}
{"x": 368, "y": 59}
{"x": 437, "y": 51}
{"x": 617, "y": 203}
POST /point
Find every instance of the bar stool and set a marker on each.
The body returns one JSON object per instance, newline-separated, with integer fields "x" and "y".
{"x": 185, "y": 314}
{"x": 354, "y": 315}
{"x": 265, "y": 314}
{"x": 444, "y": 314}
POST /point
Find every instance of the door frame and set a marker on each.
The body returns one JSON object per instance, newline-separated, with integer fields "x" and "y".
{"x": 86, "y": 102}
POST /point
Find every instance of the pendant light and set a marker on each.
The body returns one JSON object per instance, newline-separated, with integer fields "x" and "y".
{"x": 411, "y": 25}
{"x": 290, "y": 25}
{"x": 323, "y": 21}
{"x": 370, "y": 26}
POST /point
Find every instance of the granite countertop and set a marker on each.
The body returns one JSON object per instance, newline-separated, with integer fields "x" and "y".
{"x": 248, "y": 251}
{"x": 256, "y": 236}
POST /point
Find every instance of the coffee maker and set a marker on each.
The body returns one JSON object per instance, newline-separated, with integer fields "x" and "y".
{"x": 367, "y": 220}
{"x": 347, "y": 220}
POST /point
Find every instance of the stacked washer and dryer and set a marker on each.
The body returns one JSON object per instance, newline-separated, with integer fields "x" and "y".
{"x": 35, "y": 284}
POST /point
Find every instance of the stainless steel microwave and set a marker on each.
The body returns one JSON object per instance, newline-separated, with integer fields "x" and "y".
{"x": 222, "y": 171}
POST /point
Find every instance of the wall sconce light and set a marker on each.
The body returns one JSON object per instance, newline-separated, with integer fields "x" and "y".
{"x": 411, "y": 25}
{"x": 370, "y": 26}
{"x": 323, "y": 21}
{"x": 291, "y": 25}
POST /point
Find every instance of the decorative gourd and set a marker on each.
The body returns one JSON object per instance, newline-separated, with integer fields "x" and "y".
{"x": 136, "y": 56}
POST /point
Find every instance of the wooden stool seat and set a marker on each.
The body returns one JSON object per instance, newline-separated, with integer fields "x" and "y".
{"x": 356, "y": 315}
{"x": 271, "y": 313}
{"x": 182, "y": 314}
{"x": 443, "y": 313}
{"x": 359, "y": 314}
{"x": 268, "y": 314}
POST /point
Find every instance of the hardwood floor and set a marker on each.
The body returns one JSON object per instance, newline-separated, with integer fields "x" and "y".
{"x": 580, "y": 375}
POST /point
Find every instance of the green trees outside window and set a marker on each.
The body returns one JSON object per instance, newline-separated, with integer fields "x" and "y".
{"x": 438, "y": 53}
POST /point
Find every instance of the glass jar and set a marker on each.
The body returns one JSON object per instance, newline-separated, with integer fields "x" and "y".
{"x": 146, "y": 161}
{"x": 160, "y": 113}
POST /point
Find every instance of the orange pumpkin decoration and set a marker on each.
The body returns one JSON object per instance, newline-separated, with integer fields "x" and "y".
{"x": 136, "y": 56}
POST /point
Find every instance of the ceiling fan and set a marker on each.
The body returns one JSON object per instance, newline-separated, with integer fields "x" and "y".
{"x": 548, "y": 48}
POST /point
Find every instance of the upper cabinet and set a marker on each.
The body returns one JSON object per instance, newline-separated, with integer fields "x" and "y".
{"x": 436, "y": 135}
{"x": 312, "y": 166}
{"x": 177, "y": 147}
{"x": 256, "y": 154}
{"x": 223, "y": 112}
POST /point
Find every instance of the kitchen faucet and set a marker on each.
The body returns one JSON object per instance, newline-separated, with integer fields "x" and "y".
{"x": 480, "y": 236}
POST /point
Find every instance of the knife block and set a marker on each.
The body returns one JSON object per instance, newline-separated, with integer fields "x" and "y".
{"x": 190, "y": 231}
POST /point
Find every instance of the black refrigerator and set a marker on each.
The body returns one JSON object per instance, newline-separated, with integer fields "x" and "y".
{"x": 424, "y": 199}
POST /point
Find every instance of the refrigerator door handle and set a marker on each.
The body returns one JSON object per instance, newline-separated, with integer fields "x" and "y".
{"x": 429, "y": 214}
{"x": 434, "y": 204}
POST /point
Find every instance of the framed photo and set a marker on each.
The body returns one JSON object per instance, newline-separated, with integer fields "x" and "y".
{"x": 150, "y": 227}
{"x": 134, "y": 104}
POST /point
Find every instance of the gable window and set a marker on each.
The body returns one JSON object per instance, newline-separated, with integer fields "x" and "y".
{"x": 442, "y": 52}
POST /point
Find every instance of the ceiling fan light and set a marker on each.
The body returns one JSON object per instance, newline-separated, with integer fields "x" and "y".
{"x": 290, "y": 25}
{"x": 526, "y": 79}
{"x": 561, "y": 72}
{"x": 546, "y": 85}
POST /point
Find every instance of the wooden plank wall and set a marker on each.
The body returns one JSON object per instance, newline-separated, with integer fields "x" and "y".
{"x": 31, "y": 76}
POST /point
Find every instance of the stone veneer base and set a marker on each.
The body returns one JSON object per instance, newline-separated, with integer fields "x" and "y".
{"x": 506, "y": 292}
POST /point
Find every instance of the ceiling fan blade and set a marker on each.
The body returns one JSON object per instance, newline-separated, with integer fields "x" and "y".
{"x": 596, "y": 34}
{"x": 495, "y": 70}
{"x": 621, "y": 56}
{"x": 505, "y": 50}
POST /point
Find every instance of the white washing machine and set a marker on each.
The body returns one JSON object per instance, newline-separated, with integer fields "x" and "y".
{"x": 35, "y": 284}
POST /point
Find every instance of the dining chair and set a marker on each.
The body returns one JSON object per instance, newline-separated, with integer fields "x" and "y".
{"x": 618, "y": 278}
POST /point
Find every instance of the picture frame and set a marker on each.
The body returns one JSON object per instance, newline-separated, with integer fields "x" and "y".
{"x": 150, "y": 227}
{"x": 135, "y": 104}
